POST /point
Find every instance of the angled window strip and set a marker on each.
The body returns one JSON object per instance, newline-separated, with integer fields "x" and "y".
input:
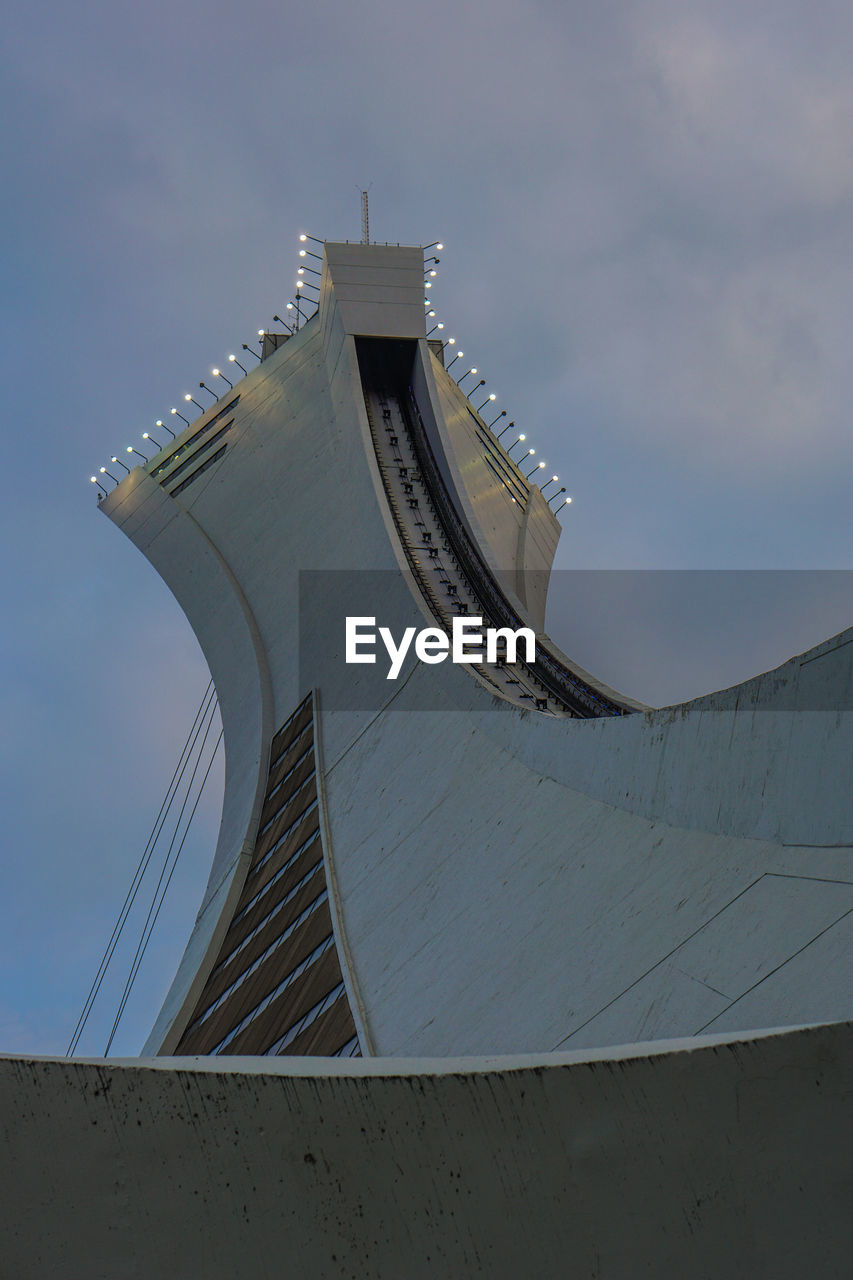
{"x": 188, "y": 444}
{"x": 294, "y": 857}
{"x": 265, "y": 954}
{"x": 305, "y": 1021}
{"x": 185, "y": 484}
{"x": 259, "y": 1008}
{"x": 279, "y": 906}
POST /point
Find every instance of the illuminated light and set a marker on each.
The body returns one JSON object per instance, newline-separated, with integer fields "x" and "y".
{"x": 493, "y": 396}
{"x": 94, "y": 479}
{"x": 439, "y": 325}
{"x": 188, "y": 396}
{"x": 568, "y": 500}
{"x": 301, "y": 271}
{"x": 302, "y": 253}
{"x": 130, "y": 448}
{"x": 433, "y": 274}
{"x": 428, "y": 284}
{"x": 261, "y": 332}
{"x": 473, "y": 369}
{"x": 451, "y": 342}
{"x": 103, "y": 471}
{"x": 431, "y": 314}
{"x": 439, "y": 245}
{"x": 215, "y": 373}
{"x": 289, "y": 307}
{"x": 299, "y": 284}
{"x": 555, "y": 477}
{"x": 541, "y": 465}
{"x": 522, "y": 436}
{"x": 303, "y": 236}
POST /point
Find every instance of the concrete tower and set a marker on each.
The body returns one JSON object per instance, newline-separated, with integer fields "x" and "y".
{"x": 499, "y": 857}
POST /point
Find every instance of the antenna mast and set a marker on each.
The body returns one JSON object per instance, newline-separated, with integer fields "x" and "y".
{"x": 365, "y": 223}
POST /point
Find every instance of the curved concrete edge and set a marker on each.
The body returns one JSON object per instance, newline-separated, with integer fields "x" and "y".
{"x": 202, "y": 581}
{"x": 719, "y": 1157}
{"x": 348, "y": 973}
{"x": 443, "y": 408}
{"x": 441, "y": 404}
{"x": 390, "y": 1068}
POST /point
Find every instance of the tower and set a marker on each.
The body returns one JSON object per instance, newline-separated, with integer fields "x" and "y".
{"x": 495, "y": 856}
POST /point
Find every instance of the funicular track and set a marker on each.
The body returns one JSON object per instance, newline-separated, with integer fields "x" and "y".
{"x": 449, "y": 571}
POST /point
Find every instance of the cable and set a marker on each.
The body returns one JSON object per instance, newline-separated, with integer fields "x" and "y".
{"x": 142, "y": 936}
{"x": 177, "y": 778}
{"x": 142, "y": 946}
{"x": 142, "y": 866}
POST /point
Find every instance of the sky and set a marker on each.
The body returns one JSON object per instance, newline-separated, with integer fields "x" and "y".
{"x": 646, "y": 211}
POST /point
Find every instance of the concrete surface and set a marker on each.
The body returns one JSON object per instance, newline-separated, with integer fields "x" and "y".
{"x": 690, "y": 1160}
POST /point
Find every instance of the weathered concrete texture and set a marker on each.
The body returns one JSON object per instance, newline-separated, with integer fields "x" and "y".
{"x": 691, "y": 1161}
{"x": 562, "y": 883}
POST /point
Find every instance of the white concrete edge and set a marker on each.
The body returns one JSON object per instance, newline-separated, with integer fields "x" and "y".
{"x": 177, "y": 1007}
{"x": 429, "y": 366}
{"x": 392, "y": 1068}
{"x": 356, "y": 1004}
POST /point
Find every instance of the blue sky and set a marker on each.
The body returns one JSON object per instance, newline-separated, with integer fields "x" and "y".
{"x": 647, "y": 216}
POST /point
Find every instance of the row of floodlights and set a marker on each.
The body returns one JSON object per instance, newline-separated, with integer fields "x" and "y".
{"x": 525, "y": 456}
{"x": 161, "y": 425}
{"x": 293, "y": 306}
{"x": 430, "y": 274}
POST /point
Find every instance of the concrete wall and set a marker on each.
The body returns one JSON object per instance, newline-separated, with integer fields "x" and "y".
{"x": 690, "y": 1161}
